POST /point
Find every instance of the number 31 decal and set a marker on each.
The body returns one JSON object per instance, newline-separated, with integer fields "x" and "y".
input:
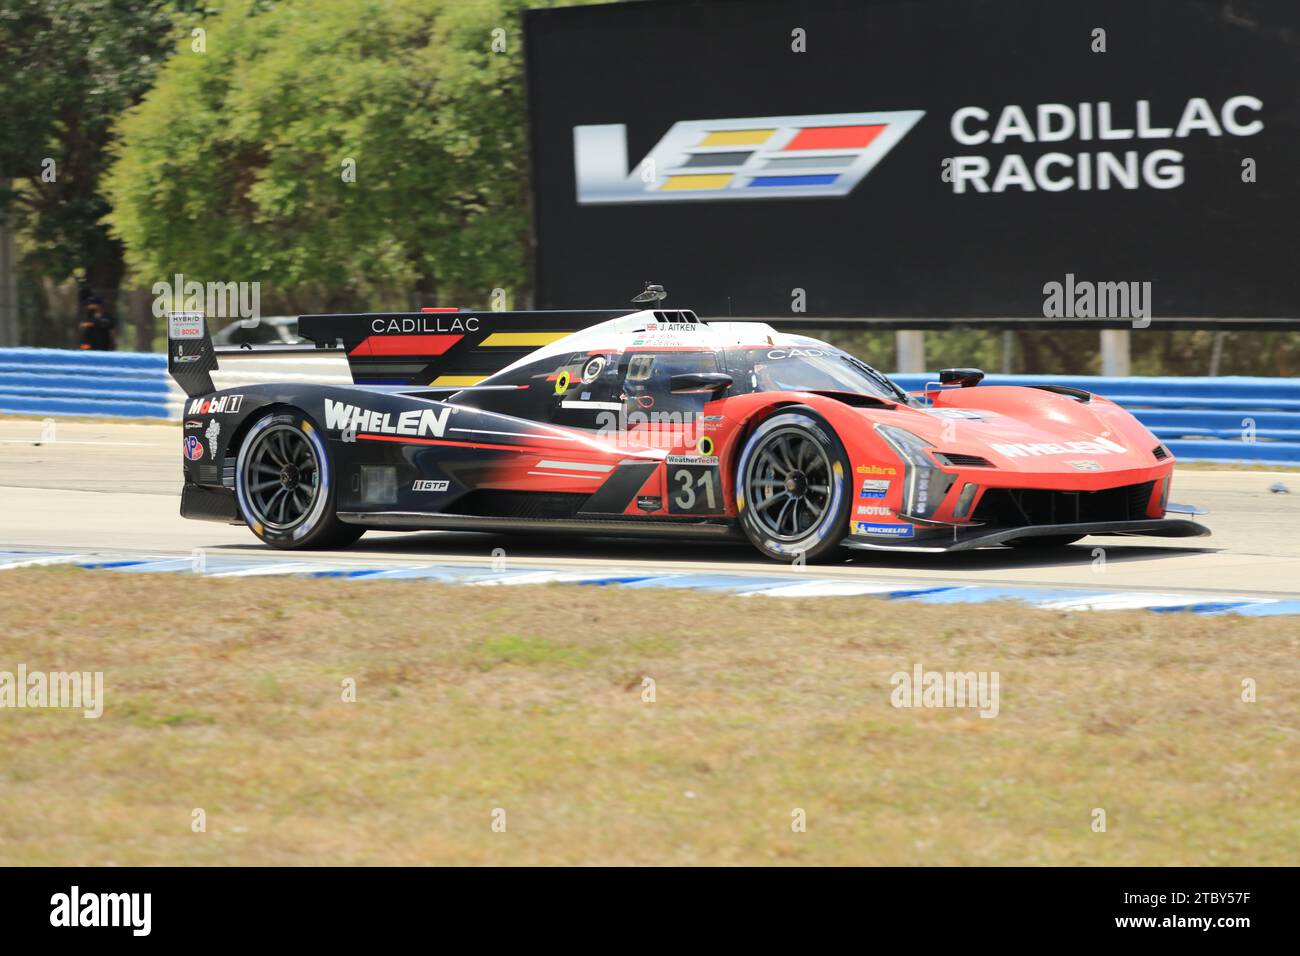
{"x": 694, "y": 489}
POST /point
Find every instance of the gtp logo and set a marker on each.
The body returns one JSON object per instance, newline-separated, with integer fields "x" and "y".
{"x": 763, "y": 157}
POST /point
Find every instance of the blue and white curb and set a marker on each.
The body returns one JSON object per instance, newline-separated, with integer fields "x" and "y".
{"x": 777, "y": 585}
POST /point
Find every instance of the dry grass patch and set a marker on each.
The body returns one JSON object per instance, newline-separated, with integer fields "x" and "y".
{"x": 226, "y": 695}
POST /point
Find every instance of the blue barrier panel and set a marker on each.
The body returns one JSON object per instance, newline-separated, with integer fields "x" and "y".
{"x": 1197, "y": 417}
{"x": 26, "y": 405}
{"x": 66, "y": 357}
{"x": 1274, "y": 452}
{"x": 64, "y": 382}
{"x": 75, "y": 384}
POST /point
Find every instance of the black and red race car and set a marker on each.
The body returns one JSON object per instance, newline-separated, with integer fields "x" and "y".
{"x": 652, "y": 422}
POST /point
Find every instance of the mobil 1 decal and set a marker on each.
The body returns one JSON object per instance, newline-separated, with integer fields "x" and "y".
{"x": 694, "y": 485}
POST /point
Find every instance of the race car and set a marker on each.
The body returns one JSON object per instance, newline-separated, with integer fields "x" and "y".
{"x": 652, "y": 422}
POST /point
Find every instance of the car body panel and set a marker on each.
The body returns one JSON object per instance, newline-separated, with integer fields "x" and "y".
{"x": 586, "y": 432}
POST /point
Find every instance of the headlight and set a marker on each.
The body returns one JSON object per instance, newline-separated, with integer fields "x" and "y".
{"x": 924, "y": 483}
{"x": 909, "y": 447}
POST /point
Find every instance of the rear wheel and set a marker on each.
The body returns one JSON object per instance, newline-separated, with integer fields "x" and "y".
{"x": 1044, "y": 541}
{"x": 285, "y": 485}
{"x": 791, "y": 487}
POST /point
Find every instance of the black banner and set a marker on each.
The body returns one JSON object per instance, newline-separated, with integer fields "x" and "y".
{"x": 1226, "y": 908}
{"x": 932, "y": 158}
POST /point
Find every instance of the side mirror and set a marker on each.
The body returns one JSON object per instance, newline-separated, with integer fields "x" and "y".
{"x": 713, "y": 382}
{"x": 965, "y": 377}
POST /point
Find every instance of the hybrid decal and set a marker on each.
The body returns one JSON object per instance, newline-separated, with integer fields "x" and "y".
{"x": 761, "y": 157}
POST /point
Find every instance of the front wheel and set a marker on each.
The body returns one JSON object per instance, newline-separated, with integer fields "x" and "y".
{"x": 285, "y": 485}
{"x": 791, "y": 487}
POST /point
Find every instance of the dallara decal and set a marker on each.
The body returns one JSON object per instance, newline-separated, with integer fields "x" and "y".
{"x": 761, "y": 157}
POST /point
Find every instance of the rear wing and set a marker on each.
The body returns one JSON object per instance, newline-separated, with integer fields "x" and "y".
{"x": 441, "y": 347}
{"x": 433, "y": 348}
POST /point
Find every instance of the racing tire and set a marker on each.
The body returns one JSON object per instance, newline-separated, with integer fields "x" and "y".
{"x": 1044, "y": 541}
{"x": 285, "y": 486}
{"x": 793, "y": 490}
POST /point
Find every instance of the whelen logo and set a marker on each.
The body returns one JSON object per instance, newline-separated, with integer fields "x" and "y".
{"x": 763, "y": 157}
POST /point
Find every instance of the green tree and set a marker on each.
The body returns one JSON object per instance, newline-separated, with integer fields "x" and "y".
{"x": 340, "y": 152}
{"x": 69, "y": 68}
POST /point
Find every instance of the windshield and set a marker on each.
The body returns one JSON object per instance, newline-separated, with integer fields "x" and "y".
{"x": 820, "y": 368}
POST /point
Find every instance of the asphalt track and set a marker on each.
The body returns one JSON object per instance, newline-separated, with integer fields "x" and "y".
{"x": 110, "y": 486}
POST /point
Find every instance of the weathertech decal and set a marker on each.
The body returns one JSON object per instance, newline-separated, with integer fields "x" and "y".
{"x": 414, "y": 422}
{"x": 762, "y": 157}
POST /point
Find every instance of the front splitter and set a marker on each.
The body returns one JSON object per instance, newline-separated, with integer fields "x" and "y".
{"x": 966, "y": 539}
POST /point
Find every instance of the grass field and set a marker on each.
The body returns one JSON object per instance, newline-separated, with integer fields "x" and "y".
{"x": 226, "y": 696}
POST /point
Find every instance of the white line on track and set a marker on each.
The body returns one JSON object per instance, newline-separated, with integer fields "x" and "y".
{"x": 47, "y": 444}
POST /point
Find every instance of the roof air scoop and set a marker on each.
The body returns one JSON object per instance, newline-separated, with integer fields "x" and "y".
{"x": 652, "y": 293}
